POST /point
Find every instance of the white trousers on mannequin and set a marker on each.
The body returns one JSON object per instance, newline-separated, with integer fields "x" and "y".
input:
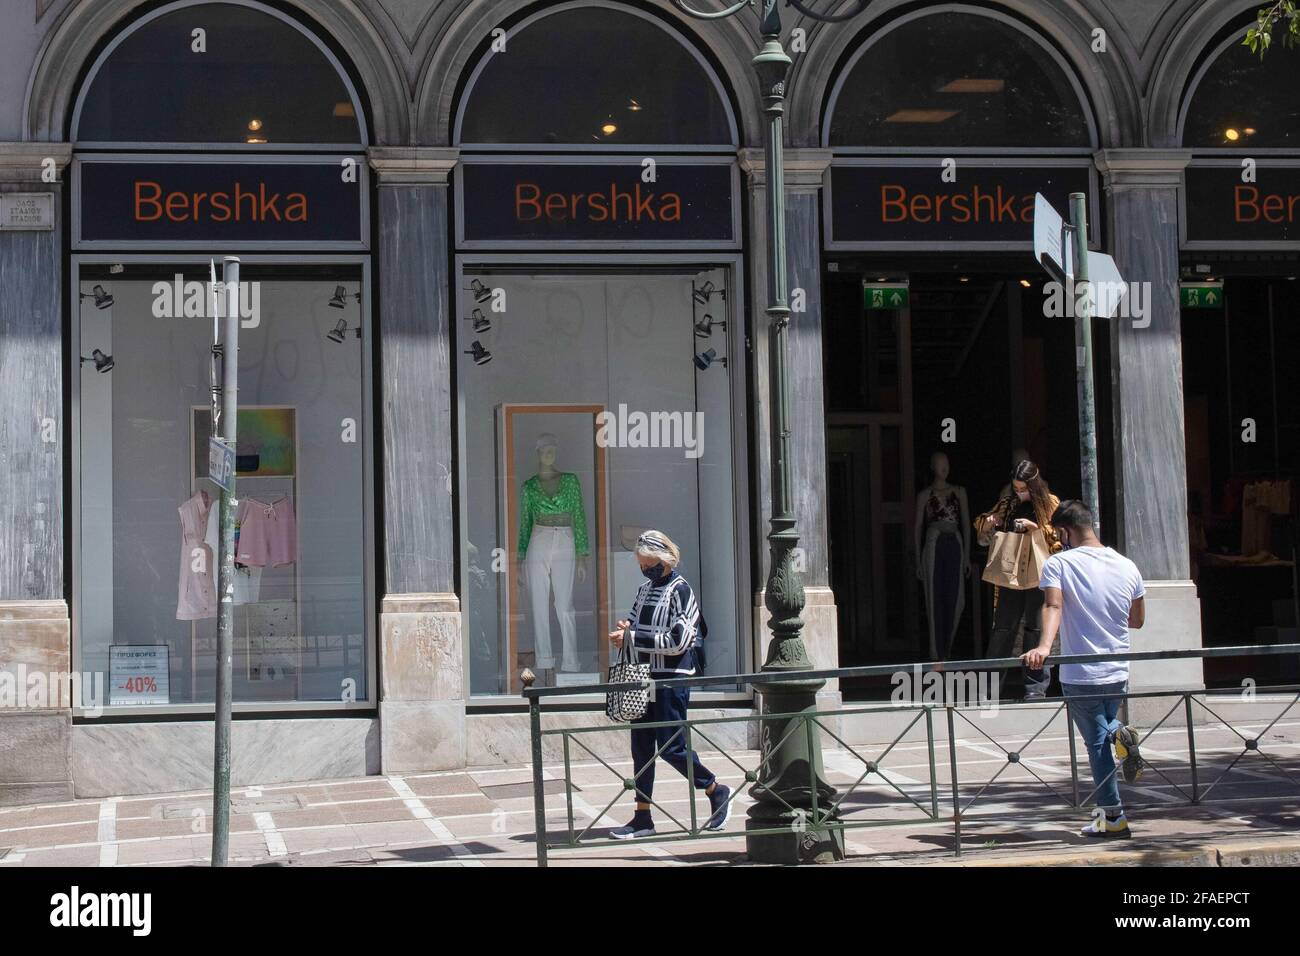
{"x": 551, "y": 564}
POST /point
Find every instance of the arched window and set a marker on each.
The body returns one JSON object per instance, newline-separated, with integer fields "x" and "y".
{"x": 957, "y": 77}
{"x": 584, "y": 74}
{"x": 1237, "y": 100}
{"x": 218, "y": 74}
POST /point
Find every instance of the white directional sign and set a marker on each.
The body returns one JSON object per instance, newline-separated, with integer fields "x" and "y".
{"x": 1054, "y": 249}
{"x": 1053, "y": 246}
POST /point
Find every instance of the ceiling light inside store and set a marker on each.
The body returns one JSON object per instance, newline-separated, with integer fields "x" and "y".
{"x": 634, "y": 107}
{"x": 1025, "y": 282}
{"x": 970, "y": 84}
{"x": 254, "y": 125}
{"x": 609, "y": 129}
{"x": 921, "y": 116}
{"x": 1231, "y": 134}
{"x": 1249, "y": 131}
{"x": 255, "y": 140}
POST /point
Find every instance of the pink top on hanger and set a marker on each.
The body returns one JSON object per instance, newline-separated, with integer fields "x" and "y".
{"x": 268, "y": 533}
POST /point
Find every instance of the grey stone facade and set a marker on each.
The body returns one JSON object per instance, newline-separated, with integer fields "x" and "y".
{"x": 410, "y": 57}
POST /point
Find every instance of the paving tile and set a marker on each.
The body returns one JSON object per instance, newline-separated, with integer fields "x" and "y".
{"x": 442, "y": 784}
{"x": 32, "y": 816}
{"x": 298, "y": 841}
{"x": 374, "y": 812}
{"x": 67, "y": 856}
{"x": 51, "y": 836}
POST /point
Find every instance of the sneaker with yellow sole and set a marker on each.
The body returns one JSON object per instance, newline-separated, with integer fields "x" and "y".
{"x": 1126, "y": 751}
{"x": 1108, "y": 828}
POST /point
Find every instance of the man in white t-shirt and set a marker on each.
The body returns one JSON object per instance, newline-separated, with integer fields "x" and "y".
{"x": 1093, "y": 595}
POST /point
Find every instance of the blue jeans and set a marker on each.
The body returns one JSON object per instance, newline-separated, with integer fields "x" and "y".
{"x": 1097, "y": 721}
{"x": 669, "y": 704}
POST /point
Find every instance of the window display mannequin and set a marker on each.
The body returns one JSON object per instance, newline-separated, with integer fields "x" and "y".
{"x": 552, "y": 548}
{"x": 942, "y": 538}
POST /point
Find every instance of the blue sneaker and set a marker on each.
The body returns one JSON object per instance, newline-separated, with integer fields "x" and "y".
{"x": 720, "y": 803}
{"x": 641, "y": 826}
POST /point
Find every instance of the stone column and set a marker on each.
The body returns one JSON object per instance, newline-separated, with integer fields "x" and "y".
{"x": 423, "y": 686}
{"x": 1150, "y": 525}
{"x": 35, "y": 727}
{"x": 804, "y": 170}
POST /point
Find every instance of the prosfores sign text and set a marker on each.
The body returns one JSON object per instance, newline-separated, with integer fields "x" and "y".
{"x": 891, "y": 203}
{"x": 244, "y": 204}
{"x": 1234, "y": 203}
{"x": 596, "y": 202}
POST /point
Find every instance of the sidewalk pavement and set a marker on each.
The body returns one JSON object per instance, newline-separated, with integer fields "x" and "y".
{"x": 1014, "y": 813}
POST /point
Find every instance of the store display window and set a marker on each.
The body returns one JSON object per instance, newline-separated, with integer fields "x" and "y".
{"x": 592, "y": 408}
{"x": 146, "y": 513}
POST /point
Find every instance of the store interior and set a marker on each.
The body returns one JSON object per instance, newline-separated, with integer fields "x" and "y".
{"x": 972, "y": 368}
{"x": 1243, "y": 427}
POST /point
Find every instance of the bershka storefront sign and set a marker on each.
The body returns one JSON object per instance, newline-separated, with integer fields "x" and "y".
{"x": 127, "y": 202}
{"x": 938, "y": 203}
{"x": 1241, "y": 203}
{"x": 626, "y": 201}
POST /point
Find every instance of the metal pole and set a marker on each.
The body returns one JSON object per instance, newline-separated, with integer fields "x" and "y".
{"x": 1083, "y": 343}
{"x": 226, "y": 569}
{"x": 539, "y": 784}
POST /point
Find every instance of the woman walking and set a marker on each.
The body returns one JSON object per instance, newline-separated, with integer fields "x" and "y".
{"x": 1029, "y": 507}
{"x": 665, "y": 628}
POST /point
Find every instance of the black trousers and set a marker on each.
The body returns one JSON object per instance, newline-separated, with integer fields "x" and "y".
{"x": 1013, "y": 607}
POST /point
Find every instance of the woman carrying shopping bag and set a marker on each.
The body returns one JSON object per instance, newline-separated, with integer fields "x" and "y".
{"x": 1019, "y": 534}
{"x": 665, "y": 629}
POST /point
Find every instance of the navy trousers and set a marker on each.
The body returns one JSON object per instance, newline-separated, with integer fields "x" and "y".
{"x": 669, "y": 704}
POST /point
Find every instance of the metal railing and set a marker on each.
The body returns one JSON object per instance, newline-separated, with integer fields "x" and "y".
{"x": 925, "y": 796}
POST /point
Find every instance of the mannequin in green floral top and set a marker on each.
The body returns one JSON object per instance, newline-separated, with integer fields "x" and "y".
{"x": 552, "y": 548}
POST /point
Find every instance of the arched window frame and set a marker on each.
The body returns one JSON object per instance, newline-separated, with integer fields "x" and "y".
{"x": 1193, "y": 86}
{"x": 138, "y": 24}
{"x": 876, "y": 37}
{"x": 672, "y": 34}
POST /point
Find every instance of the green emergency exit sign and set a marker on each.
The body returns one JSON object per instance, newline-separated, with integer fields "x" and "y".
{"x": 1201, "y": 295}
{"x": 885, "y": 295}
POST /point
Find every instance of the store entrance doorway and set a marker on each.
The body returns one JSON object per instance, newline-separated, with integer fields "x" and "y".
{"x": 973, "y": 367}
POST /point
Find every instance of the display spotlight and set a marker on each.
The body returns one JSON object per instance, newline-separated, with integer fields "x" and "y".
{"x": 703, "y": 293}
{"x": 340, "y": 331}
{"x": 481, "y": 322}
{"x": 704, "y": 327}
{"x": 481, "y": 292}
{"x": 103, "y": 299}
{"x": 340, "y": 297}
{"x": 103, "y": 363}
{"x": 481, "y": 355}
{"x": 708, "y": 357}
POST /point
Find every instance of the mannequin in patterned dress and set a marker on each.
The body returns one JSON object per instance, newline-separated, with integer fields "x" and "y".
{"x": 942, "y": 539}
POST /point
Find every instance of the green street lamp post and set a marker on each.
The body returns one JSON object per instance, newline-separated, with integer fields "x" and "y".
{"x": 791, "y": 795}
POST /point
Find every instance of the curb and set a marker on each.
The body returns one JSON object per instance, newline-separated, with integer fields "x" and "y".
{"x": 1241, "y": 853}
